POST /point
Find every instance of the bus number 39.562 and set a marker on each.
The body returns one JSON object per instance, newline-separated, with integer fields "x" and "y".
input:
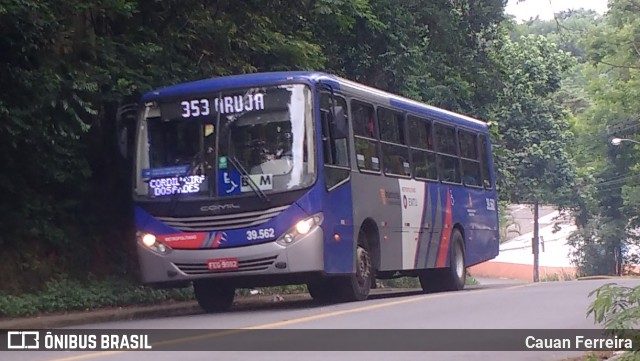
{"x": 261, "y": 234}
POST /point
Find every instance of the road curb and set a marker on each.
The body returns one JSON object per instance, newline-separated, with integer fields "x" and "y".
{"x": 589, "y": 278}
{"x": 138, "y": 312}
{"x": 605, "y": 277}
{"x": 102, "y": 315}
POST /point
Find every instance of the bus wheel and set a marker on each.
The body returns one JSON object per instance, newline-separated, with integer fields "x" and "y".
{"x": 212, "y": 296}
{"x": 457, "y": 272}
{"x": 451, "y": 278}
{"x": 357, "y": 286}
{"x": 321, "y": 291}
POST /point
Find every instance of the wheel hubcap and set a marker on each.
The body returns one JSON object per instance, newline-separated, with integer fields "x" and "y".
{"x": 362, "y": 271}
{"x": 459, "y": 262}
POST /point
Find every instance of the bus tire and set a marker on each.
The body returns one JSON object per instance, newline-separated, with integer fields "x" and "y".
{"x": 356, "y": 287}
{"x": 322, "y": 291}
{"x": 213, "y": 297}
{"x": 451, "y": 278}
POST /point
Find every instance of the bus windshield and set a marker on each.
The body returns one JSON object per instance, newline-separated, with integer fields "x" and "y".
{"x": 255, "y": 137}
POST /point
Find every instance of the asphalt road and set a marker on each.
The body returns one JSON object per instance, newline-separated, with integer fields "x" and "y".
{"x": 500, "y": 305}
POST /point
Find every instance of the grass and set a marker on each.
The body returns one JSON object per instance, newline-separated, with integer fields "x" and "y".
{"x": 64, "y": 294}
{"x": 471, "y": 281}
{"x": 413, "y": 282}
{"x": 555, "y": 277}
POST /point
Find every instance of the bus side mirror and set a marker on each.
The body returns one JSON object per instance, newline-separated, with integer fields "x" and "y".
{"x": 340, "y": 124}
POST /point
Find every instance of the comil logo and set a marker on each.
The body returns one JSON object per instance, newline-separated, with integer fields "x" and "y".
{"x": 23, "y": 340}
{"x": 219, "y": 207}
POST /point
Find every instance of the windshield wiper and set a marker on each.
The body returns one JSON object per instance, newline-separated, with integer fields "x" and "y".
{"x": 254, "y": 187}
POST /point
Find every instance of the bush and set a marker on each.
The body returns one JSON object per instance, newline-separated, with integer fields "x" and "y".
{"x": 617, "y": 308}
{"x": 401, "y": 282}
{"x": 65, "y": 294}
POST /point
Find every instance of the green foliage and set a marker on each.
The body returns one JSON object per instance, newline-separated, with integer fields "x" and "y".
{"x": 401, "y": 282}
{"x": 434, "y": 51}
{"x": 284, "y": 290}
{"x": 567, "y": 29}
{"x": 602, "y": 92}
{"x": 608, "y": 107}
{"x": 471, "y": 281}
{"x": 533, "y": 132}
{"x": 67, "y": 65}
{"x": 413, "y": 282}
{"x": 617, "y": 308}
{"x": 65, "y": 294}
{"x": 64, "y": 67}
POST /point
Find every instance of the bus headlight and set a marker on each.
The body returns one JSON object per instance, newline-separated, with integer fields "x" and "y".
{"x": 304, "y": 226}
{"x": 300, "y": 229}
{"x": 150, "y": 241}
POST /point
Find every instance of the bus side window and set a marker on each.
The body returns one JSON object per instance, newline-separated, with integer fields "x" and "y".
{"x": 471, "y": 173}
{"x": 421, "y": 142}
{"x": 484, "y": 157}
{"x": 365, "y": 136}
{"x": 447, "y": 148}
{"x": 395, "y": 153}
{"x": 334, "y": 139}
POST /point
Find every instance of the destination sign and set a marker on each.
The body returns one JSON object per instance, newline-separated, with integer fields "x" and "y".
{"x": 204, "y": 107}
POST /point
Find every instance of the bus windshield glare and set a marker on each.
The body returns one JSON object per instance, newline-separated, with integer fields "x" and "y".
{"x": 256, "y": 137}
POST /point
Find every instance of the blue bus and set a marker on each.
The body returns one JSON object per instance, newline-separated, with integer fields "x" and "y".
{"x": 307, "y": 178}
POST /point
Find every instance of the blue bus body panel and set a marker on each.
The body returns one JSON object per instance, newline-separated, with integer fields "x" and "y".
{"x": 338, "y": 213}
{"x": 238, "y": 81}
{"x": 337, "y": 209}
{"x": 145, "y": 222}
{"x": 480, "y": 223}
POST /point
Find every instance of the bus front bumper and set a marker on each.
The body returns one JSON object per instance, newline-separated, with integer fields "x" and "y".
{"x": 266, "y": 259}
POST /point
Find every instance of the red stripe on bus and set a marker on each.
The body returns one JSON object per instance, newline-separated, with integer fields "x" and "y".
{"x": 217, "y": 240}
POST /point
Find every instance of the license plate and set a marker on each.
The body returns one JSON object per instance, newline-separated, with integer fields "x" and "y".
{"x": 219, "y": 264}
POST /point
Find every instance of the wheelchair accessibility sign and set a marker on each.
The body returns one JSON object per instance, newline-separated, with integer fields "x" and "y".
{"x": 229, "y": 183}
{"x": 232, "y": 182}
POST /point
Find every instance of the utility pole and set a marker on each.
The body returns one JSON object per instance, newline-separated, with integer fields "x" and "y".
{"x": 535, "y": 243}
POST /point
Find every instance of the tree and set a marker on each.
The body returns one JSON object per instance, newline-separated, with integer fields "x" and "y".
{"x": 66, "y": 67}
{"x": 611, "y": 86}
{"x": 533, "y": 129}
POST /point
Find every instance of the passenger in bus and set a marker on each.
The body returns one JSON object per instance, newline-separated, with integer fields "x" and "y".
{"x": 371, "y": 128}
{"x": 275, "y": 155}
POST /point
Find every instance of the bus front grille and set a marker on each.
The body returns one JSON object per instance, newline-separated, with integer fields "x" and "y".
{"x": 222, "y": 222}
{"x": 258, "y": 264}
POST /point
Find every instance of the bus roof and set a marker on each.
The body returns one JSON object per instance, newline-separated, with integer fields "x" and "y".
{"x": 347, "y": 86}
